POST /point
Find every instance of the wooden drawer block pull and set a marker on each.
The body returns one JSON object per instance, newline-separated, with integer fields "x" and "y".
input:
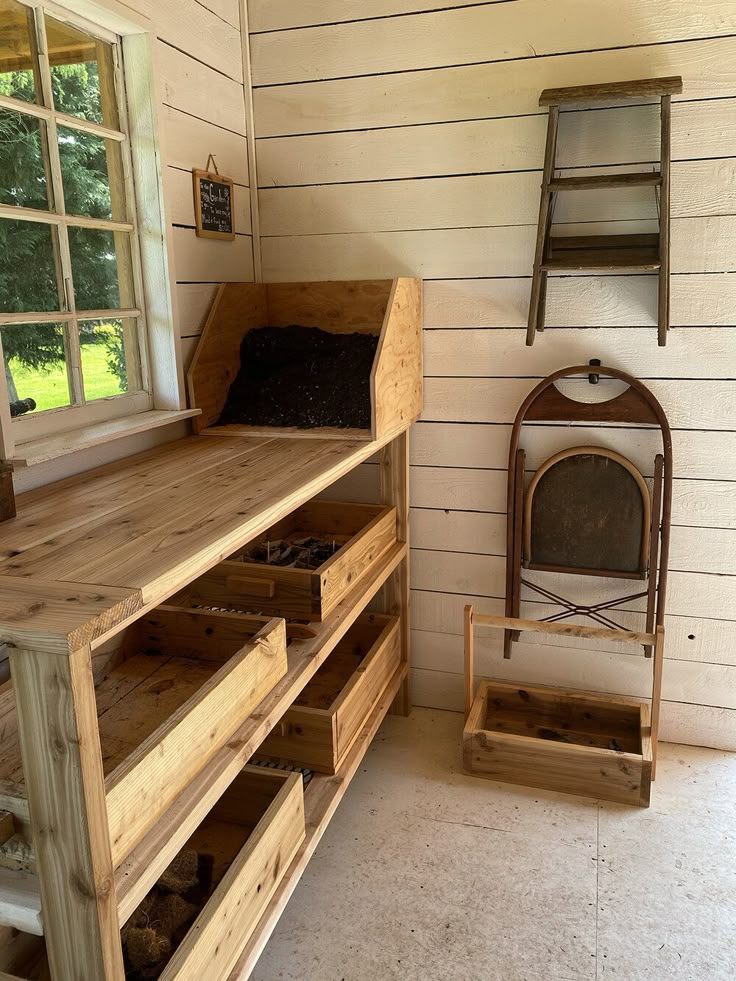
{"x": 265, "y": 588}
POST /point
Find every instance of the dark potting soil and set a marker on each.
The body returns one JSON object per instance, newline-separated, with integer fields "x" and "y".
{"x": 303, "y": 377}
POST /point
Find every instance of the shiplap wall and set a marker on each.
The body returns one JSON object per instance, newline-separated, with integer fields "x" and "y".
{"x": 393, "y": 137}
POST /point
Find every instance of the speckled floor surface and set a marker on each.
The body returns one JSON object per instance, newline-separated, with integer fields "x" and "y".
{"x": 428, "y": 874}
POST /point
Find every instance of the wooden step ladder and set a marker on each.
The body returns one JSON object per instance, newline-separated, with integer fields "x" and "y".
{"x": 604, "y": 253}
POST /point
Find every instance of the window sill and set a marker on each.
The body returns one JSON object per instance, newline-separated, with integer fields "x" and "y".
{"x": 47, "y": 448}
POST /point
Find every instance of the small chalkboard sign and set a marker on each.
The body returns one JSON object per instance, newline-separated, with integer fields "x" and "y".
{"x": 213, "y": 205}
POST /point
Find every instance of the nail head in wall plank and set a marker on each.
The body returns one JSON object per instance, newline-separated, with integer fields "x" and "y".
{"x": 482, "y": 91}
{"x": 481, "y": 33}
{"x": 688, "y": 638}
{"x": 496, "y": 400}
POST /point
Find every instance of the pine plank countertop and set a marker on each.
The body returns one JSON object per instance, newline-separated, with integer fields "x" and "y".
{"x": 87, "y": 553}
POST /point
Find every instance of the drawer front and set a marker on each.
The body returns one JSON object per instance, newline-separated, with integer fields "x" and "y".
{"x": 622, "y": 777}
{"x": 301, "y": 593}
{"x": 305, "y": 736}
{"x": 356, "y": 559}
{"x": 142, "y": 787}
{"x": 224, "y": 926}
{"x": 366, "y": 686}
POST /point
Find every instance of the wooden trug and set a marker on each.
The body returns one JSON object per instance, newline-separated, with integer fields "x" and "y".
{"x": 583, "y": 743}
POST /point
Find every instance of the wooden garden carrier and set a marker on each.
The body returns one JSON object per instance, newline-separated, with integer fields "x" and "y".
{"x": 587, "y": 511}
{"x": 604, "y": 253}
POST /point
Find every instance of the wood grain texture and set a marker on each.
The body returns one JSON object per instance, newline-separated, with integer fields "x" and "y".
{"x": 699, "y": 188}
{"x": 180, "y": 201}
{"x": 203, "y": 260}
{"x": 191, "y": 27}
{"x": 140, "y": 789}
{"x": 218, "y": 934}
{"x": 268, "y": 16}
{"x": 486, "y": 33}
{"x": 198, "y": 90}
{"x": 480, "y": 91}
{"x": 699, "y": 245}
{"x": 63, "y": 772}
{"x": 583, "y": 301}
{"x": 60, "y": 618}
{"x": 184, "y": 136}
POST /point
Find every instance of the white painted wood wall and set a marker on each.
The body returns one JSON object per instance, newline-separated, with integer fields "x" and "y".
{"x": 393, "y": 138}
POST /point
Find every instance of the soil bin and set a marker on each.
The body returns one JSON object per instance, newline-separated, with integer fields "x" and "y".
{"x": 303, "y": 377}
{"x": 320, "y": 728}
{"x": 329, "y": 360}
{"x": 554, "y": 739}
{"x": 360, "y": 535}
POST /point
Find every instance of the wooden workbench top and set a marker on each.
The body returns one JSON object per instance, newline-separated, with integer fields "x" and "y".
{"x": 128, "y": 535}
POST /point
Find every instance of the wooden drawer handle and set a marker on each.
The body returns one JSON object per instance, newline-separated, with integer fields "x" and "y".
{"x": 265, "y": 588}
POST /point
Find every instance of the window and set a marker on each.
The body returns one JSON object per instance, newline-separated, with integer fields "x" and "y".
{"x": 72, "y": 321}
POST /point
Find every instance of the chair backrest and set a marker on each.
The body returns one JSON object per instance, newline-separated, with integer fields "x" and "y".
{"x": 589, "y": 510}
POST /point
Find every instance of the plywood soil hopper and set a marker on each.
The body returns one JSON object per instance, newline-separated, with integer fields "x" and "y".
{"x": 388, "y": 309}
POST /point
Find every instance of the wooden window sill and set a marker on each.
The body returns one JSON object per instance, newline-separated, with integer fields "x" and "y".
{"x": 46, "y": 448}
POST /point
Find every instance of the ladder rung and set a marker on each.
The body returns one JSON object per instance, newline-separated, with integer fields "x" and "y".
{"x": 648, "y": 179}
{"x": 577, "y": 253}
{"x": 637, "y": 88}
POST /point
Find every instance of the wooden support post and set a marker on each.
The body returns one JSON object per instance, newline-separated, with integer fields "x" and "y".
{"x": 657, "y": 694}
{"x": 469, "y": 660}
{"x": 539, "y": 276}
{"x": 397, "y": 593}
{"x": 664, "y": 223}
{"x": 62, "y": 763}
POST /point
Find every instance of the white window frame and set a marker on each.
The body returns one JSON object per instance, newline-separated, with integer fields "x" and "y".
{"x": 127, "y": 25}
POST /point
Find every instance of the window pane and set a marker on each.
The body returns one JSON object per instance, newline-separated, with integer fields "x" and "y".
{"x": 82, "y": 77}
{"x": 87, "y": 162}
{"x": 23, "y": 176}
{"x": 17, "y": 58}
{"x": 109, "y": 358}
{"x": 101, "y": 269}
{"x": 35, "y": 366}
{"x": 28, "y": 261}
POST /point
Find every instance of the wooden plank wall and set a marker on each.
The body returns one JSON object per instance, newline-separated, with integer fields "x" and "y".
{"x": 199, "y": 61}
{"x": 398, "y": 138}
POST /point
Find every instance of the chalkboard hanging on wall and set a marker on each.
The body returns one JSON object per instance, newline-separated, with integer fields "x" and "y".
{"x": 213, "y": 203}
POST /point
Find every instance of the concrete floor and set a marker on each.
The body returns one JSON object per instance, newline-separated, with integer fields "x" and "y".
{"x": 428, "y": 874}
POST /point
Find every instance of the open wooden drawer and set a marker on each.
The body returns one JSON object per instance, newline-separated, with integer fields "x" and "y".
{"x": 356, "y": 534}
{"x": 167, "y": 700}
{"x": 246, "y": 843}
{"x": 325, "y": 720}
